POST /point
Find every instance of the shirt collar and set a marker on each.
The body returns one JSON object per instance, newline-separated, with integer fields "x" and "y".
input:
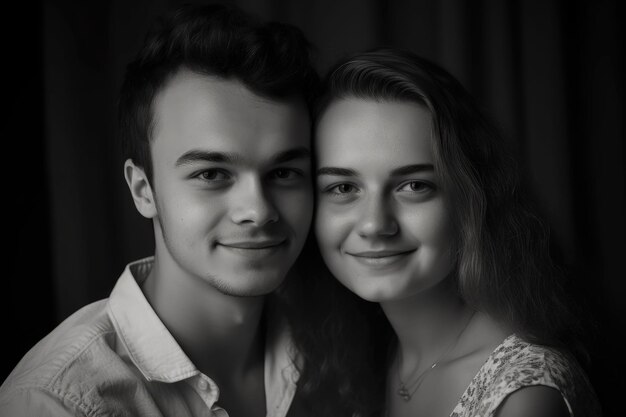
{"x": 281, "y": 371}
{"x": 157, "y": 355}
{"x": 150, "y": 345}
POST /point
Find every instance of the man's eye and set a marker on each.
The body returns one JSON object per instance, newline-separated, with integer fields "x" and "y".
{"x": 285, "y": 174}
{"x": 214, "y": 175}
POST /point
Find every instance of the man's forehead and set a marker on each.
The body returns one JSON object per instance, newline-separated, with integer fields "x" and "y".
{"x": 188, "y": 93}
{"x": 231, "y": 88}
{"x": 198, "y": 114}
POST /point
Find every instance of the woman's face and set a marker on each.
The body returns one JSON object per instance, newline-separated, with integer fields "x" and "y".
{"x": 382, "y": 224}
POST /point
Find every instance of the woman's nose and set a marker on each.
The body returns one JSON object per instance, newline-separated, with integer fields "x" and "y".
{"x": 378, "y": 219}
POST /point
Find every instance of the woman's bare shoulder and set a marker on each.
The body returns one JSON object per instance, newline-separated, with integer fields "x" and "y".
{"x": 533, "y": 401}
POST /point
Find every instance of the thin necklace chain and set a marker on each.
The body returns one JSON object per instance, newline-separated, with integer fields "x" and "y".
{"x": 407, "y": 390}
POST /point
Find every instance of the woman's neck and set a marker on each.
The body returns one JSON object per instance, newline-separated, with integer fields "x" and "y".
{"x": 427, "y": 323}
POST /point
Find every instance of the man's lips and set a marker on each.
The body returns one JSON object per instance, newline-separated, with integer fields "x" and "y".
{"x": 253, "y": 244}
{"x": 254, "y": 250}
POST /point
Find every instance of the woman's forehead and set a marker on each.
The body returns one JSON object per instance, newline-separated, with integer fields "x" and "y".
{"x": 360, "y": 132}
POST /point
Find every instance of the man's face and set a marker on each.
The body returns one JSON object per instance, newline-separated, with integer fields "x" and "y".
{"x": 232, "y": 183}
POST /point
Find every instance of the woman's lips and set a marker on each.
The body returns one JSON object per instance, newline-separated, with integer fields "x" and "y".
{"x": 380, "y": 258}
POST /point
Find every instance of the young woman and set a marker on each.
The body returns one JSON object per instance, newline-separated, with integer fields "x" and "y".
{"x": 420, "y": 210}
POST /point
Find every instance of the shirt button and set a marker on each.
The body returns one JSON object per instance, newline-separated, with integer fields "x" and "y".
{"x": 203, "y": 385}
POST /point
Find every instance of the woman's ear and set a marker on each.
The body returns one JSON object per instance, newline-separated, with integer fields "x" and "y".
{"x": 140, "y": 189}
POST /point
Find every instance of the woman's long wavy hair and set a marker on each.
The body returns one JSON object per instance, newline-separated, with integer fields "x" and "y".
{"x": 503, "y": 263}
{"x": 332, "y": 329}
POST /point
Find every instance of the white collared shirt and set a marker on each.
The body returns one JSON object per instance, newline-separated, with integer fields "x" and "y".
{"x": 115, "y": 357}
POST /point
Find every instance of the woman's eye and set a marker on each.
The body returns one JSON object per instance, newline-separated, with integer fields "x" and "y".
{"x": 342, "y": 189}
{"x": 213, "y": 175}
{"x": 416, "y": 187}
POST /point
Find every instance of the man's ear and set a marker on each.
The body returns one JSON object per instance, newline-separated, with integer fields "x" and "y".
{"x": 140, "y": 189}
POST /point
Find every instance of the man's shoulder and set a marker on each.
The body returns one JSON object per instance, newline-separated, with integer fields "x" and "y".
{"x": 84, "y": 341}
{"x": 70, "y": 361}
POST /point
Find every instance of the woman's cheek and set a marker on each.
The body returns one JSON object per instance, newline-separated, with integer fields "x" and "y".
{"x": 331, "y": 226}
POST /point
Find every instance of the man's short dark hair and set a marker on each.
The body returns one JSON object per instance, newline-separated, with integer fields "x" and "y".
{"x": 271, "y": 59}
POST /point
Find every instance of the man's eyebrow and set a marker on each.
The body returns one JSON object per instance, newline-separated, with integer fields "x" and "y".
{"x": 195, "y": 155}
{"x": 291, "y": 154}
{"x": 412, "y": 169}
{"x": 339, "y": 172}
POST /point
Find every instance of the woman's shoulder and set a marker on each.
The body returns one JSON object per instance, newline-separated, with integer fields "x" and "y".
{"x": 517, "y": 361}
{"x": 517, "y": 364}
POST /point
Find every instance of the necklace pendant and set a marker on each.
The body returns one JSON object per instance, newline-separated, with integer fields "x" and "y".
{"x": 404, "y": 393}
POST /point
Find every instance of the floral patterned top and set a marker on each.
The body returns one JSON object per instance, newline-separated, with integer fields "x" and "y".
{"x": 515, "y": 364}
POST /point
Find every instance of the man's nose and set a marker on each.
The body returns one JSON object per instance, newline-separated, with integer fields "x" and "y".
{"x": 251, "y": 204}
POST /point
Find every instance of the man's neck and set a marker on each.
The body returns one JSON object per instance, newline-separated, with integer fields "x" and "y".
{"x": 220, "y": 333}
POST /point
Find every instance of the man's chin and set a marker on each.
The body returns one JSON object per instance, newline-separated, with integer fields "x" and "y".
{"x": 251, "y": 285}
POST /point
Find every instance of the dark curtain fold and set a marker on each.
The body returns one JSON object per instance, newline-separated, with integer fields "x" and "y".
{"x": 549, "y": 72}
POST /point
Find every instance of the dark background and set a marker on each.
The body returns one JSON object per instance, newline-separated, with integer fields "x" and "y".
{"x": 550, "y": 72}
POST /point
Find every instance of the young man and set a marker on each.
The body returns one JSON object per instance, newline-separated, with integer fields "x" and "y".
{"x": 214, "y": 116}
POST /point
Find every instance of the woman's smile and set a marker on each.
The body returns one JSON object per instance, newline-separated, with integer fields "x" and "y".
{"x": 380, "y": 258}
{"x": 382, "y": 222}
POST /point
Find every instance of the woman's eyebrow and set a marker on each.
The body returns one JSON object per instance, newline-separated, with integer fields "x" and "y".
{"x": 411, "y": 169}
{"x": 340, "y": 172}
{"x": 401, "y": 171}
